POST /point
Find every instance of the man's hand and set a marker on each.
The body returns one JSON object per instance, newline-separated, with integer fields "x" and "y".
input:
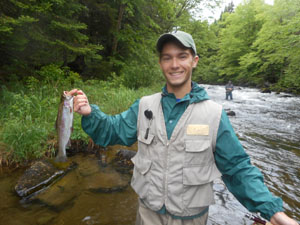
{"x": 81, "y": 103}
{"x": 280, "y": 218}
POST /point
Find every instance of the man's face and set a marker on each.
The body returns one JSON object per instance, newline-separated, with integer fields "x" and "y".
{"x": 177, "y": 65}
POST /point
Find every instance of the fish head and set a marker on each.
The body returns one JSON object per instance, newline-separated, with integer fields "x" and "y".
{"x": 67, "y": 99}
{"x": 66, "y": 95}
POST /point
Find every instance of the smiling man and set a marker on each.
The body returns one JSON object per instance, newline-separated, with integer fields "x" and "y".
{"x": 177, "y": 63}
{"x": 185, "y": 141}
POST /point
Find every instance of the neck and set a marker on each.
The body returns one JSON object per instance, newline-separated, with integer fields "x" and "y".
{"x": 180, "y": 91}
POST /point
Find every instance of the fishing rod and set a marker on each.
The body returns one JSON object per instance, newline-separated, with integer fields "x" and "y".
{"x": 257, "y": 220}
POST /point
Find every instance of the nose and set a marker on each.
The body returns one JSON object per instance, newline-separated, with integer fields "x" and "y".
{"x": 175, "y": 63}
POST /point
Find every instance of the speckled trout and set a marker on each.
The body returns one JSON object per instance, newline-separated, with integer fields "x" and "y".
{"x": 64, "y": 126}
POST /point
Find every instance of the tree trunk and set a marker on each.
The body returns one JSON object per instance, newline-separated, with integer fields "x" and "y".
{"x": 118, "y": 27}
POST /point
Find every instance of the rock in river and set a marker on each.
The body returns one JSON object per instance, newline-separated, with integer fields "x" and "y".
{"x": 50, "y": 184}
{"x": 122, "y": 161}
{"x": 38, "y": 176}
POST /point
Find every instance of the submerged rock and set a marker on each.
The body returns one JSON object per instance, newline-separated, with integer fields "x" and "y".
{"x": 62, "y": 193}
{"x": 106, "y": 181}
{"x": 96, "y": 178}
{"x": 50, "y": 184}
{"x": 286, "y": 96}
{"x": 38, "y": 176}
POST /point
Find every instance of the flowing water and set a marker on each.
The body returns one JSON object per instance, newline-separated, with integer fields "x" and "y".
{"x": 266, "y": 124}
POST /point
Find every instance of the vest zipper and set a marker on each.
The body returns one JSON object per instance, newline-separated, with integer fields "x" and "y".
{"x": 166, "y": 172}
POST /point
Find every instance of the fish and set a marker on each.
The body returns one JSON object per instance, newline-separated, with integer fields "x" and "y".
{"x": 64, "y": 126}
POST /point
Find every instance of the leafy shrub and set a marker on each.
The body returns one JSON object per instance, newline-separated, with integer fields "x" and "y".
{"x": 141, "y": 70}
{"x": 56, "y": 77}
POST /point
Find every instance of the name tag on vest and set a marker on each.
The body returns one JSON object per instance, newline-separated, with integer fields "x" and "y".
{"x": 197, "y": 129}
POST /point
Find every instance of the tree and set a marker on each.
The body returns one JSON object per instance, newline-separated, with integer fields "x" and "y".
{"x": 275, "y": 53}
{"x": 239, "y": 33}
{"x": 228, "y": 9}
{"x": 42, "y": 33}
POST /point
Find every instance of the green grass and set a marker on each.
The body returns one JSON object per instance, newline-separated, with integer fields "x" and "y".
{"x": 29, "y": 113}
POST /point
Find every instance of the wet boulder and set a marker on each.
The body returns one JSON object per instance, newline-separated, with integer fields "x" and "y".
{"x": 122, "y": 161}
{"x": 266, "y": 88}
{"x": 230, "y": 113}
{"x": 62, "y": 193}
{"x": 39, "y": 176}
{"x": 124, "y": 154}
{"x": 52, "y": 184}
{"x": 36, "y": 177}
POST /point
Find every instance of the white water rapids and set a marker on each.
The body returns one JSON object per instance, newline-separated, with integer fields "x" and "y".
{"x": 268, "y": 126}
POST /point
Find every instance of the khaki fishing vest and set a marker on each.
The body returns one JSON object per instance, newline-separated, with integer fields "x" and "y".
{"x": 179, "y": 172}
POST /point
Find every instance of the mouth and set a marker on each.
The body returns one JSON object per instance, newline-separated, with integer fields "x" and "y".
{"x": 176, "y": 74}
{"x": 66, "y": 95}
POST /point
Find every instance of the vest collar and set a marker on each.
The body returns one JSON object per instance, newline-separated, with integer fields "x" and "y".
{"x": 197, "y": 94}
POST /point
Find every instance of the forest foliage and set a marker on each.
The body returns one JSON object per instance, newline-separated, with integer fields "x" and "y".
{"x": 107, "y": 48}
{"x": 251, "y": 44}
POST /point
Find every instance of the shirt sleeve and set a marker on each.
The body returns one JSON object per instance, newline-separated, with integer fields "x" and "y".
{"x": 242, "y": 179}
{"x": 110, "y": 130}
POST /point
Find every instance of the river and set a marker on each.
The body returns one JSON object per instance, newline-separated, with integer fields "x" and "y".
{"x": 267, "y": 126}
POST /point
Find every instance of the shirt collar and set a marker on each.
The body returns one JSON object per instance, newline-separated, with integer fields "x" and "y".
{"x": 197, "y": 93}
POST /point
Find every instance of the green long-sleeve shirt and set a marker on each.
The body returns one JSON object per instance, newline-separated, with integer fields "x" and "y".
{"x": 242, "y": 179}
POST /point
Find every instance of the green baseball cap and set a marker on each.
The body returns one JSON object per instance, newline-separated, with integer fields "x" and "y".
{"x": 184, "y": 38}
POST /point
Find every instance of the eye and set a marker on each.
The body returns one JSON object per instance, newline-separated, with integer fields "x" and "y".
{"x": 165, "y": 58}
{"x": 183, "y": 56}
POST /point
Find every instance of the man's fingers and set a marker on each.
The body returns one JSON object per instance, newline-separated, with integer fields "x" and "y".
{"x": 80, "y": 101}
{"x": 73, "y": 91}
{"x": 76, "y": 91}
{"x": 80, "y": 92}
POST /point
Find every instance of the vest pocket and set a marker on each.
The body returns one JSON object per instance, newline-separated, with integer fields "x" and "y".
{"x": 140, "y": 180}
{"x": 198, "y": 175}
{"x": 197, "y": 186}
{"x": 198, "y": 152}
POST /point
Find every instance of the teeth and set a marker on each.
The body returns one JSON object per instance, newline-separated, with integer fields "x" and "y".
{"x": 176, "y": 73}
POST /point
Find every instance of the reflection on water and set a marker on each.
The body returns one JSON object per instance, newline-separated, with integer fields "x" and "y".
{"x": 267, "y": 125}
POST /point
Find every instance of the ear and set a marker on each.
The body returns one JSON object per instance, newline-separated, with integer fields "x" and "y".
{"x": 195, "y": 61}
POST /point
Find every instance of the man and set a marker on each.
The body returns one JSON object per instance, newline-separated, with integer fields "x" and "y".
{"x": 184, "y": 141}
{"x": 229, "y": 89}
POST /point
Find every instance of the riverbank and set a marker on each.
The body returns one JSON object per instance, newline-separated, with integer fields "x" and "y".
{"x": 29, "y": 112}
{"x": 265, "y": 87}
